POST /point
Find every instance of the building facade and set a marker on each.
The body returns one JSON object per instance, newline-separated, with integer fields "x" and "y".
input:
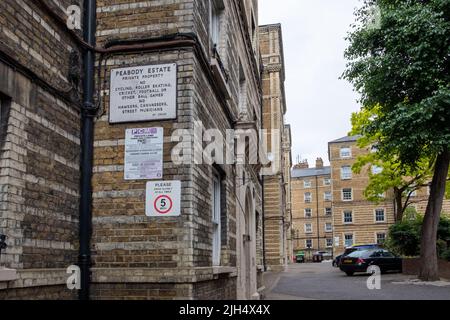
{"x": 212, "y": 250}
{"x": 356, "y": 220}
{"x": 276, "y": 181}
{"x": 39, "y": 151}
{"x": 312, "y": 208}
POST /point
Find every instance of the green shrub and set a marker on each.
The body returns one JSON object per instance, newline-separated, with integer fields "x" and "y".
{"x": 404, "y": 237}
{"x": 446, "y": 255}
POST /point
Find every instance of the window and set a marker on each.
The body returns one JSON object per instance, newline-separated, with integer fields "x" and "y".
{"x": 329, "y": 243}
{"x": 216, "y": 217}
{"x": 348, "y": 240}
{"x": 308, "y": 243}
{"x": 346, "y": 173}
{"x": 328, "y": 212}
{"x": 328, "y": 227}
{"x": 346, "y": 152}
{"x": 4, "y": 115}
{"x": 216, "y": 9}
{"x": 307, "y": 184}
{"x": 414, "y": 194}
{"x": 308, "y": 197}
{"x": 348, "y": 217}
{"x": 328, "y": 196}
{"x": 380, "y": 215}
{"x": 377, "y": 170}
{"x": 308, "y": 228}
{"x": 381, "y": 238}
{"x": 347, "y": 194}
{"x": 242, "y": 90}
{"x": 308, "y": 213}
{"x": 327, "y": 182}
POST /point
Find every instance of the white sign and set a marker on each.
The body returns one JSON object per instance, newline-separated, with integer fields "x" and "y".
{"x": 144, "y": 154}
{"x": 163, "y": 199}
{"x": 144, "y": 93}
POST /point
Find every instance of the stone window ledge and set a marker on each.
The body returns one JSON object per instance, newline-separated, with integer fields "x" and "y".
{"x": 224, "y": 270}
{"x": 7, "y": 275}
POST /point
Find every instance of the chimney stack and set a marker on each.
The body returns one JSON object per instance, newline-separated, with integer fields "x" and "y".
{"x": 319, "y": 163}
{"x": 302, "y": 165}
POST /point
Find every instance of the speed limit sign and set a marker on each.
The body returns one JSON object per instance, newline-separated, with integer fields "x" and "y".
{"x": 163, "y": 199}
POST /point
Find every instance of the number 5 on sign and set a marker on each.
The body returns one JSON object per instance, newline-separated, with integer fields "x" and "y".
{"x": 163, "y": 199}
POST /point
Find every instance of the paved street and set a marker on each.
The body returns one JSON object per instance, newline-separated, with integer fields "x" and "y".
{"x": 323, "y": 282}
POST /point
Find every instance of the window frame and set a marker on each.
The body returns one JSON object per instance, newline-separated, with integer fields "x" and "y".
{"x": 328, "y": 230}
{"x": 328, "y": 214}
{"x": 376, "y": 211}
{"x": 311, "y": 228}
{"x": 216, "y": 219}
{"x": 310, "y": 213}
{"x": 344, "y": 217}
{"x": 345, "y": 239}
{"x": 308, "y": 200}
{"x": 330, "y": 198}
{"x": 344, "y": 192}
{"x": 377, "y": 239}
{"x": 307, "y": 184}
{"x": 346, "y": 175}
{"x": 347, "y": 155}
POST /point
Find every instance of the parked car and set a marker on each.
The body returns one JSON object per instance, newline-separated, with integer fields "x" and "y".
{"x": 300, "y": 257}
{"x": 359, "y": 247}
{"x": 361, "y": 260}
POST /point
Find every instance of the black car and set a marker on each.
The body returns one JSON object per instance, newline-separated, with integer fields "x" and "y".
{"x": 337, "y": 260}
{"x": 360, "y": 261}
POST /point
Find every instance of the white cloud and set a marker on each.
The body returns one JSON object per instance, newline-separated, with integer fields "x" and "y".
{"x": 319, "y": 104}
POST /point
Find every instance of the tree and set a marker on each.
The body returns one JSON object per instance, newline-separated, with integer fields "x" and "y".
{"x": 400, "y": 66}
{"x": 391, "y": 175}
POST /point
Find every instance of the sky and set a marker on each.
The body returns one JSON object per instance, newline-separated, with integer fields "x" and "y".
{"x": 319, "y": 103}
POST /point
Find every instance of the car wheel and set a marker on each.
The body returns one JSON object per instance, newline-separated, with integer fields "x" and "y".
{"x": 349, "y": 273}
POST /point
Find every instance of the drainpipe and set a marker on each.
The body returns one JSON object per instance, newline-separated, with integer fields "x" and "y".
{"x": 87, "y": 148}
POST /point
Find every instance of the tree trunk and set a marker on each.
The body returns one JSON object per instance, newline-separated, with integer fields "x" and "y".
{"x": 428, "y": 258}
{"x": 398, "y": 195}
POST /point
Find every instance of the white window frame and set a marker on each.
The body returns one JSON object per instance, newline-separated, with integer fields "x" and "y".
{"x": 343, "y": 217}
{"x": 380, "y": 233}
{"x": 328, "y": 196}
{"x": 328, "y": 224}
{"x": 216, "y": 220}
{"x": 329, "y": 245}
{"x": 345, "y": 155}
{"x": 310, "y": 213}
{"x": 327, "y": 182}
{"x": 307, "y": 241}
{"x": 307, "y": 184}
{"x": 308, "y": 199}
{"x": 310, "y": 229}
{"x": 326, "y": 212}
{"x": 345, "y": 239}
{"x": 343, "y": 194}
{"x": 346, "y": 175}
{"x": 376, "y": 215}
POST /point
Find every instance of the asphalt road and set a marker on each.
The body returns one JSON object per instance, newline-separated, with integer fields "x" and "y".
{"x": 323, "y": 282}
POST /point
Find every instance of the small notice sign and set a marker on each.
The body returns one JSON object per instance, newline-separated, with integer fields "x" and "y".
{"x": 144, "y": 154}
{"x": 163, "y": 199}
{"x": 143, "y": 93}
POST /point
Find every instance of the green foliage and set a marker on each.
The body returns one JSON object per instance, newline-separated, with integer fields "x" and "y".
{"x": 446, "y": 255}
{"x": 402, "y": 72}
{"x": 404, "y": 237}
